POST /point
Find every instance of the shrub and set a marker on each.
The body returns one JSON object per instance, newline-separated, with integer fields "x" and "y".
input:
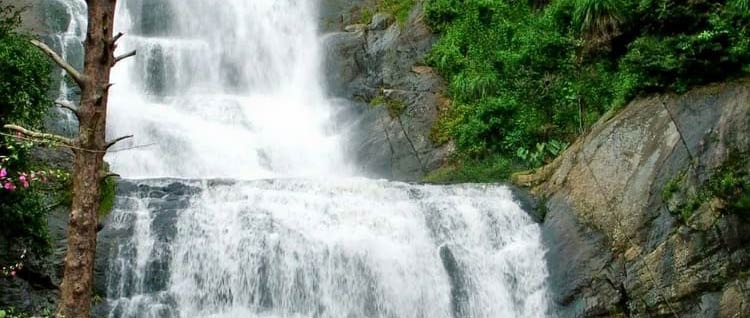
{"x": 24, "y": 84}
{"x": 522, "y": 75}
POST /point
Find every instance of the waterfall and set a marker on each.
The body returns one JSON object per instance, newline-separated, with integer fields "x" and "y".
{"x": 335, "y": 248}
{"x": 240, "y": 202}
{"x": 229, "y": 89}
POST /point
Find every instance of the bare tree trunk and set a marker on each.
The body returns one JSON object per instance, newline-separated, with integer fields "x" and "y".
{"x": 77, "y": 281}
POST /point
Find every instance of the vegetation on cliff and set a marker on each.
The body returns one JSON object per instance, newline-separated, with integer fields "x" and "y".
{"x": 529, "y": 77}
{"x": 24, "y": 85}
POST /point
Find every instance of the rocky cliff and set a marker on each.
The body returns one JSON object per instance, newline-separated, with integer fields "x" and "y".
{"x": 637, "y": 223}
{"x": 390, "y": 100}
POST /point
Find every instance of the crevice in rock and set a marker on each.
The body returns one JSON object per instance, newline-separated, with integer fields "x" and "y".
{"x": 411, "y": 143}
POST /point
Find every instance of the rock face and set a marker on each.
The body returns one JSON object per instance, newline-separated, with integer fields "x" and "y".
{"x": 616, "y": 244}
{"x": 389, "y": 101}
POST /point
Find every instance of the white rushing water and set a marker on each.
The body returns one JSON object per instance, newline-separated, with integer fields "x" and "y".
{"x": 338, "y": 249}
{"x": 231, "y": 89}
{"x": 222, "y": 89}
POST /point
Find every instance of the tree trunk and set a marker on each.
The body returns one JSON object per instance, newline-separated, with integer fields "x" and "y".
{"x": 76, "y": 286}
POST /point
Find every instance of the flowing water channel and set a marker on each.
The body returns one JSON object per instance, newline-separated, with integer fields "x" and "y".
{"x": 240, "y": 201}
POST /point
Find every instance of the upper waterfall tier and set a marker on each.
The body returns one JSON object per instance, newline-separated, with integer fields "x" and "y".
{"x": 229, "y": 91}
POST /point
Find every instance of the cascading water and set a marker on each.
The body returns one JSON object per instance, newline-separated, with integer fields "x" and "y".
{"x": 69, "y": 41}
{"x": 227, "y": 89}
{"x": 337, "y": 249}
{"x": 231, "y": 89}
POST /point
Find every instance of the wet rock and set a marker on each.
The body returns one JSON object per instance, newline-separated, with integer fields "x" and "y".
{"x": 459, "y": 294}
{"x": 380, "y": 21}
{"x": 609, "y": 224}
{"x": 335, "y": 14}
{"x": 383, "y": 60}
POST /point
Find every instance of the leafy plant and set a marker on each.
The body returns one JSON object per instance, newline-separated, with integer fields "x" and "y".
{"x": 599, "y": 20}
{"x": 542, "y": 153}
{"x": 522, "y": 75}
{"x": 24, "y": 84}
{"x": 399, "y": 9}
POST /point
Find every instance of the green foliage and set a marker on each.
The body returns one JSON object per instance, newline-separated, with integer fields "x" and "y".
{"x": 14, "y": 313}
{"x": 599, "y": 20}
{"x": 511, "y": 75}
{"x": 729, "y": 184}
{"x": 24, "y": 83}
{"x": 486, "y": 171}
{"x": 543, "y": 153}
{"x": 24, "y": 214}
{"x": 673, "y": 186}
{"x": 521, "y": 76}
{"x": 399, "y": 9}
{"x": 108, "y": 192}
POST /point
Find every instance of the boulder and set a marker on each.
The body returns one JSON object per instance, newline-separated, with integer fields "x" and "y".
{"x": 616, "y": 246}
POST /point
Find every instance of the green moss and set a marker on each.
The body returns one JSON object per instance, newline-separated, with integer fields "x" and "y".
{"x": 497, "y": 169}
{"x": 395, "y": 107}
{"x": 440, "y": 133}
{"x": 109, "y": 188}
{"x": 107, "y": 195}
{"x": 729, "y": 183}
{"x": 673, "y": 186}
{"x": 399, "y": 9}
{"x": 366, "y": 15}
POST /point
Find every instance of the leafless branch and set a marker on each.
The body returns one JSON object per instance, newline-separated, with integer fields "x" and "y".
{"x": 79, "y": 78}
{"x": 110, "y": 175}
{"x": 114, "y": 142}
{"x": 69, "y": 106}
{"x": 42, "y": 136}
{"x": 124, "y": 56}
{"x": 117, "y": 37}
{"x": 132, "y": 148}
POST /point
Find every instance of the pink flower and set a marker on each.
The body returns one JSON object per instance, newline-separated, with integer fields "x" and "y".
{"x": 19, "y": 134}
{"x": 3, "y": 173}
{"x": 24, "y": 181}
{"x": 9, "y": 186}
{"x": 13, "y": 273}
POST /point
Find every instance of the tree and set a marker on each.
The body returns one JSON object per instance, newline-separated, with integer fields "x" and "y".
{"x": 89, "y": 148}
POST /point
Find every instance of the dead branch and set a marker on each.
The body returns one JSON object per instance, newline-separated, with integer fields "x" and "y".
{"x": 132, "y": 148}
{"x": 117, "y": 37}
{"x": 114, "y": 142}
{"x": 79, "y": 78}
{"x": 42, "y": 136}
{"x": 109, "y": 175}
{"x": 124, "y": 56}
{"x": 69, "y": 106}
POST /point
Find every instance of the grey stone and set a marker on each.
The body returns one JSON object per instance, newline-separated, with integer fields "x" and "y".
{"x": 384, "y": 60}
{"x": 614, "y": 247}
{"x": 380, "y": 21}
